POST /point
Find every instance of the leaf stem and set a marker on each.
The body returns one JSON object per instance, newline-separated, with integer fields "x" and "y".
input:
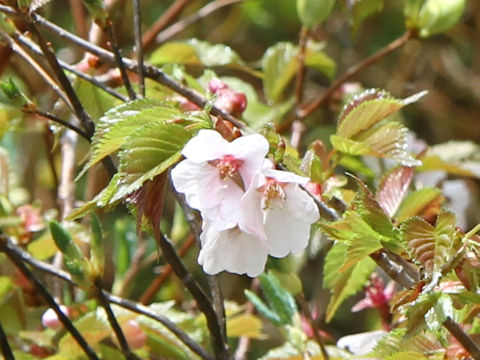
{"x": 354, "y": 70}
{"x": 102, "y": 299}
{"x": 316, "y": 334}
{"x": 5, "y": 346}
{"x": 43, "y": 292}
{"x": 110, "y": 31}
{"x": 219, "y": 347}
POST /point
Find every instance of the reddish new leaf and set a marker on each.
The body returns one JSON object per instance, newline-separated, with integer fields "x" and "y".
{"x": 393, "y": 188}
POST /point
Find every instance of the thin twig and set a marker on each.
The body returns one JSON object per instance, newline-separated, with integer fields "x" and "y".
{"x": 219, "y": 347}
{"x": 5, "y": 346}
{"x": 102, "y": 299}
{"x": 300, "y": 76}
{"x": 137, "y": 32}
{"x": 354, "y": 70}
{"x": 150, "y": 72}
{"x": 58, "y": 121}
{"x": 172, "y": 12}
{"x": 463, "y": 338}
{"x": 110, "y": 31}
{"x": 79, "y": 110}
{"x": 316, "y": 334}
{"x": 138, "y": 308}
{"x": 218, "y": 305}
{"x": 32, "y": 47}
{"x": 200, "y": 14}
{"x": 43, "y": 292}
{"x": 148, "y": 295}
{"x": 36, "y": 66}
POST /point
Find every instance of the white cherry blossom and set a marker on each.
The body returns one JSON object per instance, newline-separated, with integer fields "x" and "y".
{"x": 278, "y": 211}
{"x": 232, "y": 250}
{"x": 216, "y": 173}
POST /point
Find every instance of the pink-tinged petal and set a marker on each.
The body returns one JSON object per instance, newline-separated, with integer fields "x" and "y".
{"x": 231, "y": 250}
{"x": 285, "y": 176}
{"x": 362, "y": 305}
{"x": 184, "y": 179}
{"x": 206, "y": 146}
{"x": 251, "y": 149}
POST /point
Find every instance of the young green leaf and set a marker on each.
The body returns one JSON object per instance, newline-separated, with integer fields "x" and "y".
{"x": 437, "y": 16}
{"x": 64, "y": 241}
{"x": 97, "y": 256}
{"x": 280, "y": 300}
{"x": 314, "y": 12}
{"x": 417, "y": 202}
{"x": 343, "y": 285}
{"x": 95, "y": 101}
{"x": 362, "y": 9}
{"x": 262, "y": 308}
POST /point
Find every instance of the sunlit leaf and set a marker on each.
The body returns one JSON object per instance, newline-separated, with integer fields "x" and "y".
{"x": 417, "y": 201}
{"x": 95, "y": 101}
{"x": 349, "y": 146}
{"x": 244, "y": 325}
{"x": 407, "y": 355}
{"x": 42, "y": 248}
{"x": 343, "y": 285}
{"x": 315, "y": 58}
{"x": 393, "y": 187}
{"x": 148, "y": 152}
{"x": 369, "y": 108}
{"x": 197, "y": 52}
{"x": 420, "y": 237}
{"x": 279, "y": 66}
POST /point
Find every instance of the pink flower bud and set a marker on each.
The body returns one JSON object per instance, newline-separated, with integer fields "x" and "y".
{"x": 136, "y": 337}
{"x": 50, "y": 318}
{"x": 215, "y": 85}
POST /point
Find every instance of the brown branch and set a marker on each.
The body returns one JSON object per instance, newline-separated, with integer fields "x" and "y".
{"x": 200, "y": 14}
{"x": 4, "y": 345}
{"x": 137, "y": 31}
{"x": 58, "y": 121}
{"x": 300, "y": 76}
{"x": 172, "y": 12}
{"x": 463, "y": 338}
{"x": 138, "y": 308}
{"x": 45, "y": 295}
{"x": 148, "y": 295}
{"x": 354, "y": 70}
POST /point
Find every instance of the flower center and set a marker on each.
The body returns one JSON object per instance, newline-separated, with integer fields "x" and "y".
{"x": 227, "y": 166}
{"x": 273, "y": 194}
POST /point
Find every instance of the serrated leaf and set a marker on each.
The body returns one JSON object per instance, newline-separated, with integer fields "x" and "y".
{"x": 118, "y": 124}
{"x": 244, "y": 325}
{"x": 349, "y": 146}
{"x": 420, "y": 238}
{"x": 417, "y": 201}
{"x": 393, "y": 187}
{"x": 280, "y": 300}
{"x": 358, "y": 249}
{"x": 368, "y": 109}
{"x": 407, "y": 355}
{"x": 148, "y": 152}
{"x": 416, "y": 312}
{"x": 344, "y": 284}
{"x": 262, "y": 308}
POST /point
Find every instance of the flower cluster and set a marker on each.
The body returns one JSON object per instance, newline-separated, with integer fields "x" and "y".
{"x": 249, "y": 209}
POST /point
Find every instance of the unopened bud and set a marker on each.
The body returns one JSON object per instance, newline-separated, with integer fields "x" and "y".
{"x": 50, "y": 318}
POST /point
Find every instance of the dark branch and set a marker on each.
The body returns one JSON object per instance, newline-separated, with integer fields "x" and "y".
{"x": 5, "y": 346}
{"x": 137, "y": 32}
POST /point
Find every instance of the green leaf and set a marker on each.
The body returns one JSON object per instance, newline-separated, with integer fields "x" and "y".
{"x": 347, "y": 283}
{"x": 348, "y": 146}
{"x": 358, "y": 249}
{"x": 280, "y": 300}
{"x": 314, "y": 12}
{"x": 361, "y": 9}
{"x": 369, "y": 108}
{"x": 244, "y": 325}
{"x": 262, "y": 308}
{"x": 97, "y": 256}
{"x": 117, "y": 125}
{"x": 419, "y": 235}
{"x": 279, "y": 66}
{"x": 42, "y": 248}
{"x": 197, "y": 52}
{"x": 316, "y": 58}
{"x": 417, "y": 201}
{"x": 64, "y": 241}
{"x": 148, "y": 152}
{"x": 416, "y": 312}
{"x": 95, "y": 101}
{"x": 407, "y": 355}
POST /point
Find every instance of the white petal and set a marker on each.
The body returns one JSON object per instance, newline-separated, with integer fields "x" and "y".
{"x": 252, "y": 149}
{"x": 251, "y": 220}
{"x": 300, "y": 204}
{"x": 285, "y": 233}
{"x": 207, "y": 145}
{"x": 184, "y": 179}
{"x": 233, "y": 251}
{"x": 285, "y": 176}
